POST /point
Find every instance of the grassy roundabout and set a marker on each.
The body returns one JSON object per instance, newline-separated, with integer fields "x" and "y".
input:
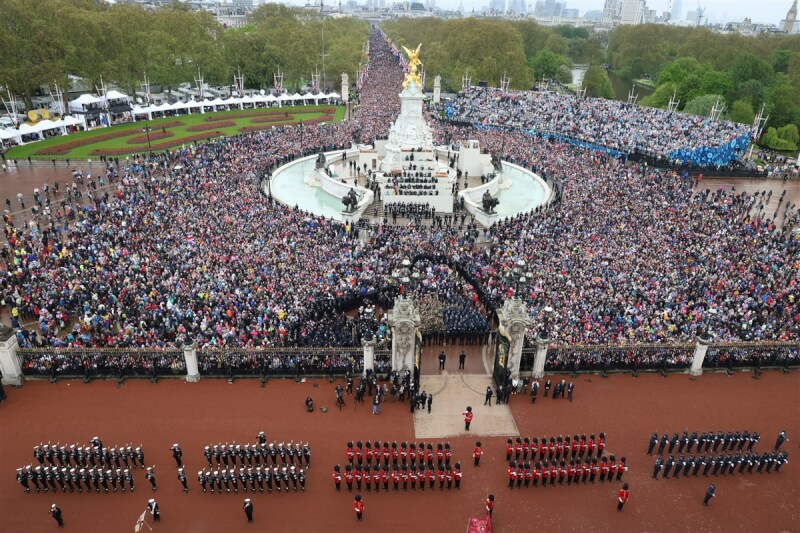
{"x": 169, "y": 132}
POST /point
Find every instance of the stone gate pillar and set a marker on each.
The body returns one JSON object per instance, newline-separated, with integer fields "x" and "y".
{"x": 345, "y": 88}
{"x": 700, "y": 349}
{"x": 540, "y": 357}
{"x": 514, "y": 322}
{"x": 437, "y": 89}
{"x": 192, "y": 368}
{"x": 9, "y": 363}
{"x": 404, "y": 321}
{"x": 369, "y": 355}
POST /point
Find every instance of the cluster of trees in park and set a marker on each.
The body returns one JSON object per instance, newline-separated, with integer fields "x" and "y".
{"x": 53, "y": 39}
{"x": 701, "y": 69}
{"x": 488, "y": 49}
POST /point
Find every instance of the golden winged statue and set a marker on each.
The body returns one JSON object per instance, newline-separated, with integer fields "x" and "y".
{"x": 413, "y": 63}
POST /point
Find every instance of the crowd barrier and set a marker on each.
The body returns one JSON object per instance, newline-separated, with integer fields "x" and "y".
{"x": 105, "y": 363}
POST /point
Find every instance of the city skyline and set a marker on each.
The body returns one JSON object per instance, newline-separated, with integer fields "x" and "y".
{"x": 717, "y": 11}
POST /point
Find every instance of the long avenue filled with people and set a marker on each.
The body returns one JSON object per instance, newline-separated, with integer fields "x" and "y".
{"x": 186, "y": 246}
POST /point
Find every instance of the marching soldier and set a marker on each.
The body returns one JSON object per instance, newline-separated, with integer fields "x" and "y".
{"x": 177, "y": 454}
{"x": 95, "y": 479}
{"x": 307, "y": 455}
{"x": 55, "y": 512}
{"x": 201, "y": 477}
{"x": 337, "y": 478}
{"x": 209, "y": 455}
{"x": 248, "y": 510}
{"x": 152, "y": 506}
{"x": 22, "y": 479}
{"x": 182, "y": 479}
{"x": 112, "y": 478}
{"x": 348, "y": 477}
{"x": 151, "y": 477}
{"x": 301, "y": 478}
{"x": 477, "y": 452}
{"x": 34, "y": 476}
{"x": 130, "y": 480}
{"x": 268, "y": 479}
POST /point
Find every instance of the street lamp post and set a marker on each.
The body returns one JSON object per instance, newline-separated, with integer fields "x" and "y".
{"x": 146, "y": 129}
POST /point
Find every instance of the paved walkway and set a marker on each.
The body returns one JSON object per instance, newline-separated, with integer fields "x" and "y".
{"x": 452, "y": 393}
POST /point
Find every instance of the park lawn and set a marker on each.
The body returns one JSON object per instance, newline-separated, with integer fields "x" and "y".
{"x": 181, "y": 134}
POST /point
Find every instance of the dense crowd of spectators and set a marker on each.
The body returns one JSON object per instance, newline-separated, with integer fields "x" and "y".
{"x": 608, "y": 123}
{"x": 186, "y": 247}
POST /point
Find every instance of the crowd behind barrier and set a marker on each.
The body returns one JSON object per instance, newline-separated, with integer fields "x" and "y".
{"x": 609, "y": 125}
{"x": 160, "y": 258}
{"x": 101, "y": 363}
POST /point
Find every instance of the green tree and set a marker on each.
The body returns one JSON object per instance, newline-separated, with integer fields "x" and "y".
{"x": 546, "y": 64}
{"x": 781, "y": 60}
{"x": 702, "y": 105}
{"x": 750, "y": 67}
{"x": 597, "y": 84}
{"x": 742, "y": 112}
{"x": 661, "y": 96}
{"x": 783, "y": 102}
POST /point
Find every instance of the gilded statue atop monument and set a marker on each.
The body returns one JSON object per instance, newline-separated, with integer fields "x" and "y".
{"x": 413, "y": 63}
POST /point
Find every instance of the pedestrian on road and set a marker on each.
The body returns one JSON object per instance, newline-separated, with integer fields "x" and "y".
{"x": 462, "y": 358}
{"x": 710, "y": 493}
{"x": 467, "y": 418}
{"x": 442, "y": 359}
{"x": 358, "y": 506}
{"x": 430, "y": 402}
{"x": 489, "y": 394}
{"x": 622, "y": 496}
{"x": 55, "y": 512}
{"x": 248, "y": 510}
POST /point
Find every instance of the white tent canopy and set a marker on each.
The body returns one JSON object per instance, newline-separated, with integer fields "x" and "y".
{"x": 116, "y": 95}
{"x": 84, "y": 99}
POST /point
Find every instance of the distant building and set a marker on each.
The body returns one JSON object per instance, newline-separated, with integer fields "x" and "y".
{"x": 791, "y": 17}
{"x": 676, "y": 12}
{"x": 632, "y": 12}
{"x": 517, "y": 6}
{"x": 612, "y": 11}
{"x": 571, "y": 13}
{"x": 548, "y": 8}
{"x": 497, "y": 6}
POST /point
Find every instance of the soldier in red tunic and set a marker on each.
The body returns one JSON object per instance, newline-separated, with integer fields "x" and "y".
{"x": 458, "y": 475}
{"x": 358, "y": 507}
{"x": 467, "y": 418}
{"x": 622, "y": 496}
{"x": 348, "y": 477}
{"x": 490, "y": 505}
{"x": 337, "y": 478}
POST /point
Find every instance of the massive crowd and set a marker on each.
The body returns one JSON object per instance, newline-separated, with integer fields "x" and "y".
{"x": 186, "y": 247}
{"x": 608, "y": 123}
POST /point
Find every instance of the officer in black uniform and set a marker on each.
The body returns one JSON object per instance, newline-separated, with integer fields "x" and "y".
{"x": 55, "y": 512}
{"x": 653, "y": 442}
{"x": 662, "y": 444}
{"x": 152, "y": 506}
{"x": 248, "y": 510}
{"x": 22, "y": 479}
{"x": 182, "y": 479}
{"x": 151, "y": 477}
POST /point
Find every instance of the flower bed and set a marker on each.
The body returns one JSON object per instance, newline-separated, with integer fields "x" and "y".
{"x": 281, "y": 112}
{"x": 65, "y": 148}
{"x": 160, "y": 146}
{"x": 154, "y": 136}
{"x": 216, "y": 124}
